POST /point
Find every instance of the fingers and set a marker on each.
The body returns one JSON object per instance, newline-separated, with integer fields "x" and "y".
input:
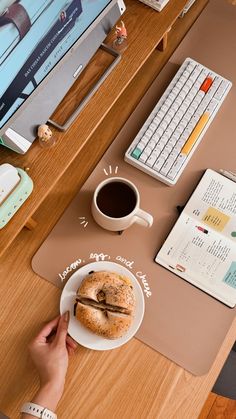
{"x": 62, "y": 328}
{"x": 70, "y": 351}
{"x": 60, "y": 324}
{"x": 71, "y": 345}
{"x": 70, "y": 342}
{"x": 46, "y": 330}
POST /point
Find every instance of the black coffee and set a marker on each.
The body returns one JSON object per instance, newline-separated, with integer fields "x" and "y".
{"x": 116, "y": 199}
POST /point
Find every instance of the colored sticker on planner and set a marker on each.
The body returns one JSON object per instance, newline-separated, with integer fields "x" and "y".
{"x": 180, "y": 268}
{"x": 215, "y": 219}
{"x": 230, "y": 277}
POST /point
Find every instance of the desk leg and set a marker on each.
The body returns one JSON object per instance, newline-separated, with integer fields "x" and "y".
{"x": 30, "y": 224}
{"x": 163, "y": 43}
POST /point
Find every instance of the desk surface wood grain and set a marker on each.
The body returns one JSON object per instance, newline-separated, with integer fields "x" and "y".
{"x": 132, "y": 381}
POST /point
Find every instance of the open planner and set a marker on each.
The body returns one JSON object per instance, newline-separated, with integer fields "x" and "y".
{"x": 201, "y": 247}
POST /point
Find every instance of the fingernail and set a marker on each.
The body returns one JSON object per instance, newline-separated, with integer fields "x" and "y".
{"x": 66, "y": 316}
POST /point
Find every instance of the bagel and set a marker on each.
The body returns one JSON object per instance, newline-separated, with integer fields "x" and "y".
{"x": 106, "y": 323}
{"x": 105, "y": 304}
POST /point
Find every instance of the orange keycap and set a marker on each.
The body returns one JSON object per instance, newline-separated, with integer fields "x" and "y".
{"x": 206, "y": 84}
{"x": 195, "y": 134}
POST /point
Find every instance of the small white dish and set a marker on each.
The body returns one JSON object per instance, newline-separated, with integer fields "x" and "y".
{"x": 80, "y": 333}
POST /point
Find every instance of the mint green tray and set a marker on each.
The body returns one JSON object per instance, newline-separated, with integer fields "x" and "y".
{"x": 11, "y": 205}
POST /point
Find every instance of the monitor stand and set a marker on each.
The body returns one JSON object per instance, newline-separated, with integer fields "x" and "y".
{"x": 94, "y": 88}
{"x": 19, "y": 143}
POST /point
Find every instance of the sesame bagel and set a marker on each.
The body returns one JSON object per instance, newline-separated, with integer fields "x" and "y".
{"x": 110, "y": 325}
{"x": 105, "y": 304}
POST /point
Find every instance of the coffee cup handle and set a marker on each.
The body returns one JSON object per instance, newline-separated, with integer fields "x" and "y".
{"x": 143, "y": 218}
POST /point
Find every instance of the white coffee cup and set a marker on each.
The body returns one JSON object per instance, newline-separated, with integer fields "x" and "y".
{"x": 115, "y": 205}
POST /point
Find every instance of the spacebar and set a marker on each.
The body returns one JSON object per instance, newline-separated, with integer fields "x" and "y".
{"x": 195, "y": 134}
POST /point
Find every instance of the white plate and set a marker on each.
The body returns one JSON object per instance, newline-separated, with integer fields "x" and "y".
{"x": 81, "y": 334}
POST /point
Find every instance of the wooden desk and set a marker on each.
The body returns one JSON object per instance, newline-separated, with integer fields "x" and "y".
{"x": 133, "y": 381}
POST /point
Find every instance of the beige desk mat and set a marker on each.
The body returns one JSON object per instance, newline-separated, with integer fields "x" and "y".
{"x": 180, "y": 321}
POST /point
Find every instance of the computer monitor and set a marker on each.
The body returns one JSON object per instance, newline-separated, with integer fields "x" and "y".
{"x": 47, "y": 43}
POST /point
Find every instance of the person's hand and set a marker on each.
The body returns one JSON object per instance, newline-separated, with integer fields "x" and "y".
{"x": 49, "y": 351}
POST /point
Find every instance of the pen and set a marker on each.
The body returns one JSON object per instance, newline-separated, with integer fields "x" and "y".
{"x": 204, "y": 230}
{"x": 228, "y": 174}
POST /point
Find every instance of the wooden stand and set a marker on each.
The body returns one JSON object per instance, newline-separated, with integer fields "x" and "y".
{"x": 30, "y": 224}
{"x": 163, "y": 44}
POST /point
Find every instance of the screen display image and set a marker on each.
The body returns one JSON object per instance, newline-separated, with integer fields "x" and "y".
{"x": 25, "y": 61}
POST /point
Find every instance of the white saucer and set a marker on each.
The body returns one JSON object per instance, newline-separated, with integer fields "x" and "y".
{"x": 76, "y": 330}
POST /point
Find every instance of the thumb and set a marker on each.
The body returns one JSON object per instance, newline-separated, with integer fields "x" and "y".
{"x": 62, "y": 328}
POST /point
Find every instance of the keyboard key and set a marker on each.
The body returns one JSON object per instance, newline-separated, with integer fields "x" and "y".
{"x": 136, "y": 153}
{"x": 157, "y": 150}
{"x": 176, "y": 166}
{"x": 145, "y": 140}
{"x": 212, "y": 105}
{"x": 143, "y": 158}
{"x": 148, "y": 150}
{"x": 152, "y": 127}
{"x": 156, "y": 137}
{"x": 148, "y": 133}
{"x": 151, "y": 160}
{"x": 221, "y": 90}
{"x": 166, "y": 166}
{"x": 206, "y": 84}
{"x": 195, "y": 134}
{"x": 165, "y": 143}
{"x": 159, "y": 163}
{"x": 140, "y": 147}
{"x": 215, "y": 84}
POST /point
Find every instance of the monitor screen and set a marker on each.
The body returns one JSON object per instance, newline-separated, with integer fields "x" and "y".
{"x": 55, "y": 26}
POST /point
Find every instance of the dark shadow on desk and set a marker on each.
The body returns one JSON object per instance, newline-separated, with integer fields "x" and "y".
{"x": 2, "y": 416}
{"x": 226, "y": 382}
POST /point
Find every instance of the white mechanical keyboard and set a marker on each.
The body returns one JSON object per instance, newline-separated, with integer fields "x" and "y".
{"x": 175, "y": 127}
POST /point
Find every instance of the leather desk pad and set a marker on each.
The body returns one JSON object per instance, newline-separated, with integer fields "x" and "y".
{"x": 181, "y": 322}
